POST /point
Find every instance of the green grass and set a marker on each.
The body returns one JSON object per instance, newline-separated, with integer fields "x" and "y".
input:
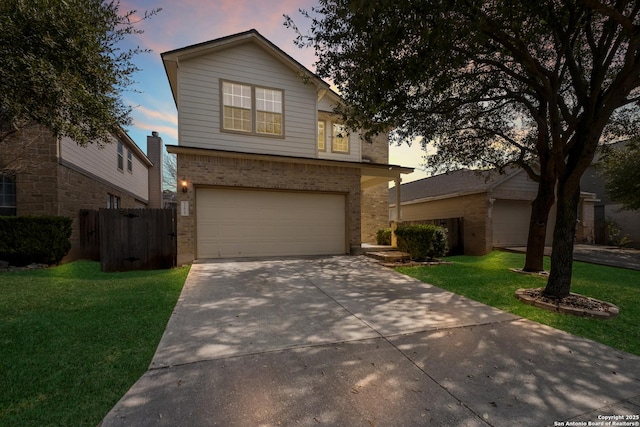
{"x": 74, "y": 339}
{"x": 488, "y": 280}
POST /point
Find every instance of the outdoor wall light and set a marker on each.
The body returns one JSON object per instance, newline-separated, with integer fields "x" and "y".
{"x": 184, "y": 184}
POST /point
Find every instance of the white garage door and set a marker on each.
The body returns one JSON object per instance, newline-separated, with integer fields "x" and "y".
{"x": 247, "y": 223}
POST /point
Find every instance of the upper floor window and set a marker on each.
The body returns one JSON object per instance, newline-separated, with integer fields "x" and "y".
{"x": 252, "y": 109}
{"x": 322, "y": 137}
{"x": 340, "y": 138}
{"x": 120, "y": 155}
{"x": 129, "y": 161}
{"x": 7, "y": 195}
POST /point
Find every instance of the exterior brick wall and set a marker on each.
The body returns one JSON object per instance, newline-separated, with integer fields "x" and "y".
{"x": 46, "y": 187}
{"x": 203, "y": 170}
{"x": 375, "y": 200}
{"x": 477, "y": 225}
{"x": 375, "y": 211}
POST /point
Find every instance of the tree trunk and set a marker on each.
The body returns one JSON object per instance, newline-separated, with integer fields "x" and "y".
{"x": 564, "y": 235}
{"x": 540, "y": 209}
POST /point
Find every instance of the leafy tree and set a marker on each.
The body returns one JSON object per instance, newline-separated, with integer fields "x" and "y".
{"x": 621, "y": 171}
{"x": 63, "y": 67}
{"x": 491, "y": 83}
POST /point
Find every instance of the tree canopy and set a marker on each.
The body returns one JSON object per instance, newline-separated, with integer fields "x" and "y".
{"x": 490, "y": 83}
{"x": 621, "y": 171}
{"x": 63, "y": 67}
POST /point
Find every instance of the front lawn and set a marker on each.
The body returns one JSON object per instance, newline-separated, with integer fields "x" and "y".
{"x": 75, "y": 339}
{"x": 487, "y": 279}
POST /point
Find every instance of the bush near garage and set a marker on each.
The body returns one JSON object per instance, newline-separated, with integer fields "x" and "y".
{"x": 422, "y": 241}
{"x": 383, "y": 237}
{"x": 34, "y": 239}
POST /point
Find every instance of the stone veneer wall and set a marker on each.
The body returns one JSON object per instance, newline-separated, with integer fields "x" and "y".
{"x": 204, "y": 170}
{"x": 375, "y": 200}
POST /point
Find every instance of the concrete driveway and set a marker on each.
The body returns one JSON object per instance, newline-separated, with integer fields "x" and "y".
{"x": 342, "y": 341}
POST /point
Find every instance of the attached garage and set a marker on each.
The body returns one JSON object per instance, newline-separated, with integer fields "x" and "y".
{"x": 510, "y": 223}
{"x": 247, "y": 223}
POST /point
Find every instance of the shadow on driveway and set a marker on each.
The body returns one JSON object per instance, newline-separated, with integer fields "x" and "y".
{"x": 344, "y": 341}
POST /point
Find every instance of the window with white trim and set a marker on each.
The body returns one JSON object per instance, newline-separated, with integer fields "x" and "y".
{"x": 252, "y": 109}
{"x": 340, "y": 139}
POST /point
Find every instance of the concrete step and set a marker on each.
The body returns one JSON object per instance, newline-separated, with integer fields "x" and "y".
{"x": 389, "y": 255}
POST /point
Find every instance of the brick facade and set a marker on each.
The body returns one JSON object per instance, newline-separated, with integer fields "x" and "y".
{"x": 45, "y": 186}
{"x": 202, "y": 170}
{"x": 375, "y": 204}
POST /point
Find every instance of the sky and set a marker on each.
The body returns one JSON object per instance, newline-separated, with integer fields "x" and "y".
{"x": 186, "y": 22}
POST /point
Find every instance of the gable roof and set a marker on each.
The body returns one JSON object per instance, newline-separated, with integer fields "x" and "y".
{"x": 452, "y": 184}
{"x": 172, "y": 58}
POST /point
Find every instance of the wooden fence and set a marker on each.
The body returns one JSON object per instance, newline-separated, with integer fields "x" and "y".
{"x": 130, "y": 239}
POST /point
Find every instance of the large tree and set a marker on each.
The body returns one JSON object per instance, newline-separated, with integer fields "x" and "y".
{"x": 62, "y": 66}
{"x": 490, "y": 83}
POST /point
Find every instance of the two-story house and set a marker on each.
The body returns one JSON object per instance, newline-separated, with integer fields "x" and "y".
{"x": 46, "y": 175}
{"x": 264, "y": 167}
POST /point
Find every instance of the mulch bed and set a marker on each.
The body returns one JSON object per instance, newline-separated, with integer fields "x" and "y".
{"x": 575, "y": 304}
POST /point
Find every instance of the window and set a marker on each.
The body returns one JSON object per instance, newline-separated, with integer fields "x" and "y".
{"x": 250, "y": 109}
{"x": 269, "y": 111}
{"x": 120, "y": 155}
{"x": 237, "y": 107}
{"x": 7, "y": 195}
{"x": 113, "y": 202}
{"x": 322, "y": 146}
{"x": 129, "y": 161}
{"x": 340, "y": 139}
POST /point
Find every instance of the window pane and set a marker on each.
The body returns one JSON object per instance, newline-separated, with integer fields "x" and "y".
{"x": 235, "y": 95}
{"x": 269, "y": 100}
{"x": 269, "y": 123}
{"x": 237, "y": 119}
{"x": 340, "y": 139}
{"x": 321, "y": 136}
{"x": 7, "y": 195}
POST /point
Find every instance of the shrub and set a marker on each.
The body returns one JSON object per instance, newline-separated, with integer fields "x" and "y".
{"x": 34, "y": 239}
{"x": 425, "y": 241}
{"x": 383, "y": 236}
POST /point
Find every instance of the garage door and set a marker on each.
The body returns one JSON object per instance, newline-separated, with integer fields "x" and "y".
{"x": 510, "y": 220}
{"x": 247, "y": 223}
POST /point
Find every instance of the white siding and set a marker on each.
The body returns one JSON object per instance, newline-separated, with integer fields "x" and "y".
{"x": 199, "y": 102}
{"x": 102, "y": 163}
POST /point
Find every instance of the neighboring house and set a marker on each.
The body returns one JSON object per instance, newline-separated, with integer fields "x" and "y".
{"x": 45, "y": 175}
{"x": 607, "y": 210}
{"x": 264, "y": 168}
{"x": 493, "y": 209}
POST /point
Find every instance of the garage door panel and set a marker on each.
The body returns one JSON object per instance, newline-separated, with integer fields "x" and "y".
{"x": 236, "y": 223}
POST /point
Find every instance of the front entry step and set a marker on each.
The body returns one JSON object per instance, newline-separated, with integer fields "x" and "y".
{"x": 389, "y": 256}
